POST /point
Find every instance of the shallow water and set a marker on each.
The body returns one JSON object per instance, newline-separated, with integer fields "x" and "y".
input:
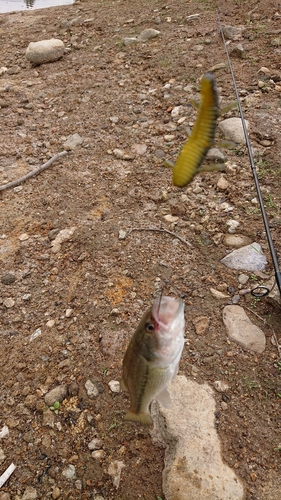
{"x": 13, "y": 5}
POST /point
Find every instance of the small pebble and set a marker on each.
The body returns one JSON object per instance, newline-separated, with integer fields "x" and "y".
{"x": 98, "y": 454}
{"x": 114, "y": 385}
{"x": 24, "y": 237}
{"x": 8, "y": 279}
{"x": 9, "y": 302}
{"x": 56, "y": 493}
{"x": 92, "y": 390}
{"x": 95, "y": 444}
{"x": 69, "y": 472}
{"x": 50, "y": 323}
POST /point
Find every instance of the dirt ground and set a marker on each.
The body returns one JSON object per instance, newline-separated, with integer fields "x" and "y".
{"x": 88, "y": 298}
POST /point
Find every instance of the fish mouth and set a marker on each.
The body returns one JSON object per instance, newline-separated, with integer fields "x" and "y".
{"x": 165, "y": 310}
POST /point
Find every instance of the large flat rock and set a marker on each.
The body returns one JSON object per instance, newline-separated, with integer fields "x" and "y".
{"x": 194, "y": 469}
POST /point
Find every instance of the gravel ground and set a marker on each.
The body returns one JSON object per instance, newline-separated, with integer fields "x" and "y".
{"x": 70, "y": 301}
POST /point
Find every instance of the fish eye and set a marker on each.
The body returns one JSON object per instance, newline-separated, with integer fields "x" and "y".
{"x": 150, "y": 327}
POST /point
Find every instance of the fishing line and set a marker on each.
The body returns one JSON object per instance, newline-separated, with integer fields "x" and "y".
{"x": 253, "y": 167}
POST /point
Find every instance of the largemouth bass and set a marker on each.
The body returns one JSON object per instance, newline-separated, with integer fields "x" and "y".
{"x": 152, "y": 357}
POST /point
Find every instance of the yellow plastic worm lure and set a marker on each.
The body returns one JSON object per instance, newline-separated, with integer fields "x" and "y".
{"x": 189, "y": 161}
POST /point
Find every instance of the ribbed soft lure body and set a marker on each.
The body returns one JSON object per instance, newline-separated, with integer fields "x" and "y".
{"x": 201, "y": 138}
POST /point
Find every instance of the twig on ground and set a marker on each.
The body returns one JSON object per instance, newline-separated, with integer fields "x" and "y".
{"x": 160, "y": 230}
{"x": 5, "y": 476}
{"x": 36, "y": 171}
{"x": 273, "y": 332}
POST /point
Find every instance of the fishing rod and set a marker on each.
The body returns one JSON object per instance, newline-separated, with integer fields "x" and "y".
{"x": 253, "y": 167}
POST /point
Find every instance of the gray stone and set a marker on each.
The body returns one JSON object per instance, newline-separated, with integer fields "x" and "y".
{"x": 45, "y": 51}
{"x": 238, "y": 51}
{"x": 194, "y": 468}
{"x": 233, "y": 32}
{"x": 215, "y": 154}
{"x": 72, "y": 141}
{"x": 30, "y": 493}
{"x": 242, "y": 330}
{"x": 48, "y": 418}
{"x": 233, "y": 130}
{"x": 248, "y": 258}
{"x": 129, "y": 40}
{"x": 8, "y": 279}
{"x": 147, "y": 34}
{"x": 58, "y": 393}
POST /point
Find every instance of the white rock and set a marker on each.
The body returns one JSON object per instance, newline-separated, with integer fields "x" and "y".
{"x": 45, "y": 51}
{"x": 114, "y": 470}
{"x": 35, "y": 334}
{"x": 233, "y": 130}
{"x": 24, "y": 237}
{"x": 178, "y": 111}
{"x": 98, "y": 455}
{"x": 232, "y": 225}
{"x": 249, "y": 258}
{"x": 95, "y": 444}
{"x": 114, "y": 385}
{"x": 242, "y": 330}
{"x": 62, "y": 236}
{"x": 147, "y": 34}
{"x": 69, "y": 472}
{"x": 92, "y": 389}
{"x": 4, "y": 432}
{"x": 171, "y": 218}
{"x": 122, "y": 234}
{"x": 68, "y": 313}
{"x": 221, "y": 386}
{"x": 194, "y": 469}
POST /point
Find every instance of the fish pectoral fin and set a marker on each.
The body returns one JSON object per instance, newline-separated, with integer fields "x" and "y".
{"x": 169, "y": 164}
{"x": 164, "y": 398}
{"x": 219, "y": 167}
{"x": 142, "y": 418}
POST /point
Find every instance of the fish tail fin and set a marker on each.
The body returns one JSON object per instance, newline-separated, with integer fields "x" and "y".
{"x": 142, "y": 418}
